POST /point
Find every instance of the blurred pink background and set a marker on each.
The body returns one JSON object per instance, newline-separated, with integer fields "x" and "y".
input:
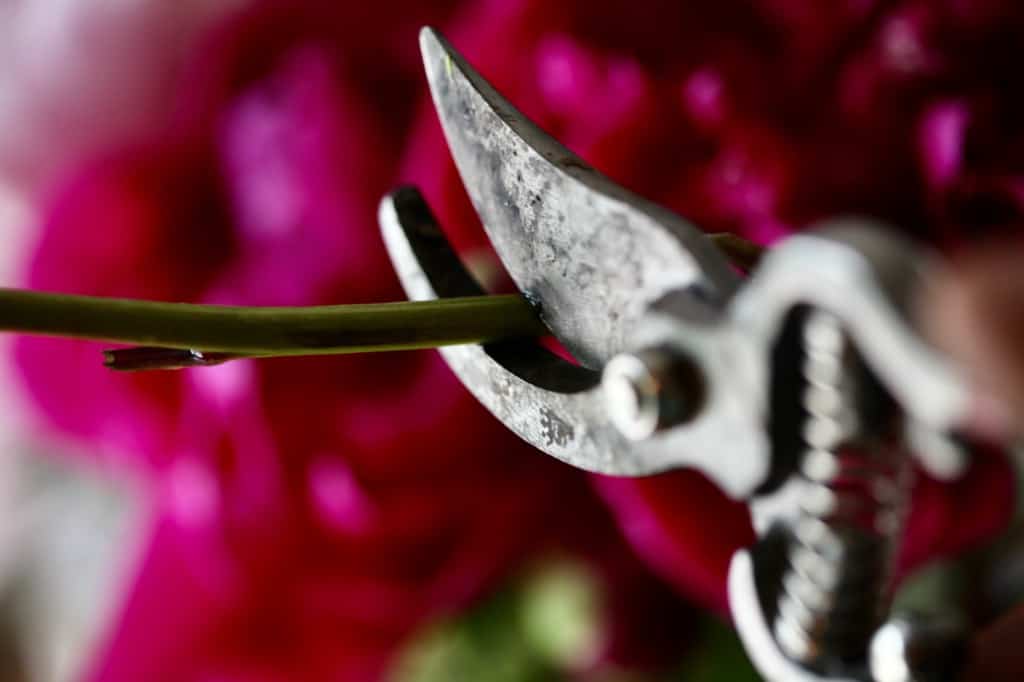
{"x": 311, "y": 519}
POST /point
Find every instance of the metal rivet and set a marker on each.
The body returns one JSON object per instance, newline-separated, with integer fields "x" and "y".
{"x": 650, "y": 391}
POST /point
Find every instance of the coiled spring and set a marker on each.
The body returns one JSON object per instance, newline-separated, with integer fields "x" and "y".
{"x": 835, "y": 587}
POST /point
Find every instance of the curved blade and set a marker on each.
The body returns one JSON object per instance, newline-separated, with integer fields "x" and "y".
{"x": 551, "y": 403}
{"x": 592, "y": 254}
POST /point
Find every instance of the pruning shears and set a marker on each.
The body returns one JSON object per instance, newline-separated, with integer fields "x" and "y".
{"x": 803, "y": 388}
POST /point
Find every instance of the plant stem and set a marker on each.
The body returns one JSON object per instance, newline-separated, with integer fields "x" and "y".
{"x": 270, "y": 332}
{"x": 173, "y": 335}
{"x": 742, "y": 253}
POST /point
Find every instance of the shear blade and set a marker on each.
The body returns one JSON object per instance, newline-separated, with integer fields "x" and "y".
{"x": 592, "y": 254}
{"x": 550, "y": 403}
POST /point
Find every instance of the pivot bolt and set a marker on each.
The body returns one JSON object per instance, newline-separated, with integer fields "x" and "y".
{"x": 651, "y": 390}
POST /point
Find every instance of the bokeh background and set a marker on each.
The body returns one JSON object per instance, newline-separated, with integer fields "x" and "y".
{"x": 361, "y": 518}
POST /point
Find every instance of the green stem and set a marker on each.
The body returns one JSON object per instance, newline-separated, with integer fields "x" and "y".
{"x": 181, "y": 335}
{"x": 270, "y": 332}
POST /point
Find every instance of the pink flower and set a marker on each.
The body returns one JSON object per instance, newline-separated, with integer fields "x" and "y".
{"x": 75, "y": 76}
{"x": 309, "y": 514}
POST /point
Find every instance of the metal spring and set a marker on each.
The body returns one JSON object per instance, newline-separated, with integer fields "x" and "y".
{"x": 835, "y": 587}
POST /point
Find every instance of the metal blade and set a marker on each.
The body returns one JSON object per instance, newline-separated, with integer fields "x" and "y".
{"x": 592, "y": 254}
{"x": 553, "y": 404}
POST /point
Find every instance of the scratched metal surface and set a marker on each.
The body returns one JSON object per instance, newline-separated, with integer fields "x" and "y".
{"x": 613, "y": 272}
{"x": 545, "y": 400}
{"x": 591, "y": 254}
{"x": 557, "y": 406}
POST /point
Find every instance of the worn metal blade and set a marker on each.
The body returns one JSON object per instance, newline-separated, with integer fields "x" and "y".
{"x": 592, "y": 254}
{"x": 551, "y": 403}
